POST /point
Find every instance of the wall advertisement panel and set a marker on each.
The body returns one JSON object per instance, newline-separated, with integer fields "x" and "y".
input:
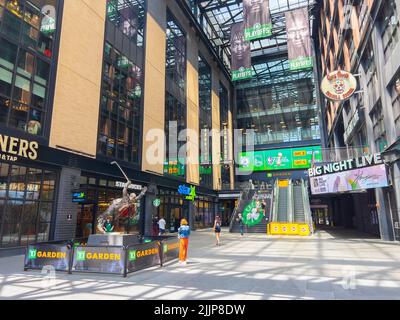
{"x": 352, "y": 180}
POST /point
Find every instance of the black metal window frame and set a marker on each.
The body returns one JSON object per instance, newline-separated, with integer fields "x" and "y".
{"x": 205, "y": 122}
{"x": 122, "y": 93}
{"x": 175, "y": 97}
{"x": 38, "y": 107}
{"x": 23, "y": 193}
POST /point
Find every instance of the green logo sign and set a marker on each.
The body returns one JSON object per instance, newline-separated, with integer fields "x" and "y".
{"x": 252, "y": 215}
{"x": 80, "y": 255}
{"x": 258, "y": 31}
{"x": 280, "y": 159}
{"x": 192, "y": 194}
{"x": 32, "y": 254}
{"x": 132, "y": 255}
{"x": 156, "y": 203}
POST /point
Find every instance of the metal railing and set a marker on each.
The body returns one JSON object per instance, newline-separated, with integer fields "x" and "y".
{"x": 339, "y": 154}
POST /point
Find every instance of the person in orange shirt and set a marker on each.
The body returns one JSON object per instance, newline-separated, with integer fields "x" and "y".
{"x": 183, "y": 235}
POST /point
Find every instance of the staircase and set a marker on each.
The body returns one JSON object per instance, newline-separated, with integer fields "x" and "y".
{"x": 246, "y": 199}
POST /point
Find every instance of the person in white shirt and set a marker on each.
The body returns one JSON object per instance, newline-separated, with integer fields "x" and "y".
{"x": 161, "y": 226}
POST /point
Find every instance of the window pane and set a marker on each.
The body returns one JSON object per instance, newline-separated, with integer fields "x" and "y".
{"x": 45, "y": 212}
{"x": 22, "y": 90}
{"x": 8, "y": 54}
{"x": 25, "y": 63}
{"x": 11, "y": 25}
{"x": 43, "y": 232}
{"x": 19, "y": 115}
{"x": 42, "y": 72}
{"x": 4, "y": 108}
{"x": 5, "y": 82}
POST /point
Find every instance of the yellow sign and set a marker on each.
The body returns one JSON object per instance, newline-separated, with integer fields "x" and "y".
{"x": 51, "y": 255}
{"x": 102, "y": 256}
{"x": 283, "y": 183}
{"x": 302, "y": 153}
{"x": 295, "y": 229}
{"x": 302, "y": 162}
{"x": 149, "y": 252}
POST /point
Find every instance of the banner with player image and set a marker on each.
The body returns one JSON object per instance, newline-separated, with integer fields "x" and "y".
{"x": 257, "y": 19}
{"x": 241, "y": 54}
{"x": 299, "y": 39}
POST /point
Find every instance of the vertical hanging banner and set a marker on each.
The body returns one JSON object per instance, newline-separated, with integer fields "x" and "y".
{"x": 241, "y": 54}
{"x": 257, "y": 19}
{"x": 299, "y": 39}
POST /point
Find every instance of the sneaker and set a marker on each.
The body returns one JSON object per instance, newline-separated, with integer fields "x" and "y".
{"x": 185, "y": 263}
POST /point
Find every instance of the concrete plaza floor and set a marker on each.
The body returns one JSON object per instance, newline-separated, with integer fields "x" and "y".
{"x": 328, "y": 265}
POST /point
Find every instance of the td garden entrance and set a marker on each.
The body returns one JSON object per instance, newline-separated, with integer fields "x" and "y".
{"x": 349, "y": 196}
{"x": 355, "y": 213}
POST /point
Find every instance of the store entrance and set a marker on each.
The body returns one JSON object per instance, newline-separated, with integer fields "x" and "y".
{"x": 347, "y": 215}
{"x": 176, "y": 215}
{"x": 226, "y": 208}
{"x": 85, "y": 220}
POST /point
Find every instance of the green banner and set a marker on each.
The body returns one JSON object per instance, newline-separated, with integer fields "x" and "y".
{"x": 279, "y": 159}
{"x": 258, "y": 32}
{"x": 301, "y": 63}
{"x": 241, "y": 74}
{"x": 252, "y": 214}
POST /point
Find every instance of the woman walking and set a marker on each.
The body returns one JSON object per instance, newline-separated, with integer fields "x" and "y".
{"x": 217, "y": 229}
{"x": 183, "y": 235}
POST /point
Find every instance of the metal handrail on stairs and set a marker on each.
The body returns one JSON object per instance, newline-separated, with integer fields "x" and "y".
{"x": 244, "y": 193}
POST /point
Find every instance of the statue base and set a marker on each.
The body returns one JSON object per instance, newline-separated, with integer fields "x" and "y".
{"x": 112, "y": 239}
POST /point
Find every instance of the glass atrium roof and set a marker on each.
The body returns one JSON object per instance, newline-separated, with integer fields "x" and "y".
{"x": 217, "y": 16}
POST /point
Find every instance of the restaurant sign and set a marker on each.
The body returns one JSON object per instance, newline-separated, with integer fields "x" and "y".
{"x": 339, "y": 85}
{"x": 12, "y": 148}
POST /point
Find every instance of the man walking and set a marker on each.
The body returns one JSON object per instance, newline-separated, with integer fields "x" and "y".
{"x": 241, "y": 224}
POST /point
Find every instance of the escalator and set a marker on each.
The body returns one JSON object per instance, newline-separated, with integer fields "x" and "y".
{"x": 291, "y": 209}
{"x": 298, "y": 204}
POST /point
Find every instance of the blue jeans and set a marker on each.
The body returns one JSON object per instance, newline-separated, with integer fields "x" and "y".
{"x": 241, "y": 229}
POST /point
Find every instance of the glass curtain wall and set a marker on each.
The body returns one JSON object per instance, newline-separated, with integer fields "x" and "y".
{"x": 122, "y": 85}
{"x": 26, "y": 204}
{"x": 205, "y": 127}
{"x": 280, "y": 106}
{"x": 27, "y": 33}
{"x": 175, "y": 100}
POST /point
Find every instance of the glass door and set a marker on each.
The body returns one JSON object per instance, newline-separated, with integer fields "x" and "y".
{"x": 85, "y": 221}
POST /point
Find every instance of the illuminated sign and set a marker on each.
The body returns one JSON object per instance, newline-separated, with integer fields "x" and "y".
{"x": 279, "y": 159}
{"x": 346, "y": 165}
{"x": 11, "y": 148}
{"x": 78, "y": 197}
{"x": 339, "y": 85}
{"x": 189, "y": 192}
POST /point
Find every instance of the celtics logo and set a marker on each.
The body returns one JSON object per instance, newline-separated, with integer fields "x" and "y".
{"x": 252, "y": 214}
